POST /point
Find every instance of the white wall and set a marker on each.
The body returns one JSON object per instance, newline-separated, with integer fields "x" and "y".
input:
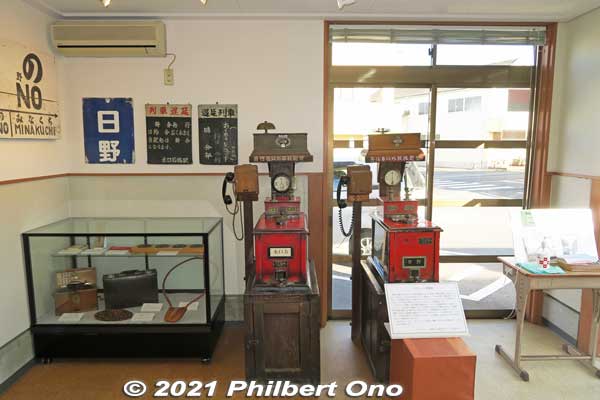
{"x": 26, "y": 158}
{"x": 25, "y": 205}
{"x": 574, "y": 136}
{"x": 272, "y": 69}
{"x": 575, "y": 128}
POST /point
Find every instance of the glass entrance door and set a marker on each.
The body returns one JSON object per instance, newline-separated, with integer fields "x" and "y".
{"x": 358, "y": 113}
{"x": 471, "y": 104}
{"x": 478, "y": 178}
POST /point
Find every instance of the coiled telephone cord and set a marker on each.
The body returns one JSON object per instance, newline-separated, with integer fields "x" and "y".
{"x": 237, "y": 210}
{"x": 341, "y": 221}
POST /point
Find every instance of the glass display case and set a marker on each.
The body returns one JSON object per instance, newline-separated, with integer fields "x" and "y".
{"x": 131, "y": 287}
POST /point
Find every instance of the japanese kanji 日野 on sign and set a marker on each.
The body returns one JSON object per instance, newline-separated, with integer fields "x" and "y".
{"x": 169, "y": 133}
{"x": 218, "y": 126}
{"x": 108, "y": 130}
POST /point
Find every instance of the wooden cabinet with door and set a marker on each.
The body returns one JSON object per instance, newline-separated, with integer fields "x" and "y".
{"x": 282, "y": 333}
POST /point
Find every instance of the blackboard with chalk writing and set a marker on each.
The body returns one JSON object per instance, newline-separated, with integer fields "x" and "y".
{"x": 169, "y": 133}
{"x": 218, "y": 130}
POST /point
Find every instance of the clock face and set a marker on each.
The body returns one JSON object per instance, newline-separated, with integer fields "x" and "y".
{"x": 281, "y": 183}
{"x": 392, "y": 177}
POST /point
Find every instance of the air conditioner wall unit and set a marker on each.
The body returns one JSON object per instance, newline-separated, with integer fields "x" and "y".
{"x": 106, "y": 38}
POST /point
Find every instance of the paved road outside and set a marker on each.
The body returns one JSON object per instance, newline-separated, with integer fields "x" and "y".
{"x": 482, "y": 285}
{"x": 492, "y": 184}
{"x": 453, "y": 189}
{"x": 482, "y": 183}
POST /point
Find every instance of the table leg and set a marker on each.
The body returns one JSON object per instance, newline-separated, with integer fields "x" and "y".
{"x": 522, "y": 288}
{"x": 589, "y": 360}
{"x": 595, "y": 327}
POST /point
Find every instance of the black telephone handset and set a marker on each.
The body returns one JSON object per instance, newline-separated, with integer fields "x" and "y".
{"x": 229, "y": 177}
{"x": 344, "y": 180}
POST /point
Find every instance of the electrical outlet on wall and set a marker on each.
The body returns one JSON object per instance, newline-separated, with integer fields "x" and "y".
{"x": 169, "y": 77}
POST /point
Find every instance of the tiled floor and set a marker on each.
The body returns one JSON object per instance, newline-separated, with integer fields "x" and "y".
{"x": 341, "y": 361}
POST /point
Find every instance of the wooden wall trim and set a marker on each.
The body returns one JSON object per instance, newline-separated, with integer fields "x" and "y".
{"x": 572, "y": 175}
{"x": 325, "y": 220}
{"x": 317, "y": 251}
{"x": 33, "y": 178}
{"x": 541, "y": 180}
{"x": 93, "y": 174}
{"x": 177, "y": 174}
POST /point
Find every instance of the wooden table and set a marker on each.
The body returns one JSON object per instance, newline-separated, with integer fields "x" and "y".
{"x": 525, "y": 282}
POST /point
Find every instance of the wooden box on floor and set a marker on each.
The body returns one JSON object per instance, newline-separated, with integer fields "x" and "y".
{"x": 283, "y": 333}
{"x": 373, "y": 315}
{"x": 432, "y": 369}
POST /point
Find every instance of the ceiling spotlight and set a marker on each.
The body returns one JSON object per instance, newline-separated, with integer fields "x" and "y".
{"x": 105, "y": 3}
{"x": 203, "y": 2}
{"x": 343, "y": 3}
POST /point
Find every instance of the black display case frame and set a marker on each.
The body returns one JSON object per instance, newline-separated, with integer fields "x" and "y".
{"x": 132, "y": 340}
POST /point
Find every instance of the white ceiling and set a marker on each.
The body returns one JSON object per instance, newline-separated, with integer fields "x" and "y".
{"x": 502, "y": 10}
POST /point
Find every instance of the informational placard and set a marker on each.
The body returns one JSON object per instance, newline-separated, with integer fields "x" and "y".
{"x": 142, "y": 317}
{"x": 28, "y": 93}
{"x": 71, "y": 317}
{"x": 151, "y": 307}
{"x": 562, "y": 231}
{"x": 169, "y": 133}
{"x": 218, "y": 127}
{"x": 108, "y": 130}
{"x": 425, "y": 310}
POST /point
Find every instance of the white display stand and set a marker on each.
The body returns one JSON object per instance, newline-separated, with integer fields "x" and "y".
{"x": 568, "y": 231}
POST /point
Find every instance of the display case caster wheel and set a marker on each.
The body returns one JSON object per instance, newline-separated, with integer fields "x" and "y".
{"x": 524, "y": 375}
{"x": 205, "y": 360}
{"x": 46, "y": 360}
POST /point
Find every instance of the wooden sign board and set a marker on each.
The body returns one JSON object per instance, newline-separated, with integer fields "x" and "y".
{"x": 169, "y": 133}
{"x": 28, "y": 93}
{"x": 218, "y": 126}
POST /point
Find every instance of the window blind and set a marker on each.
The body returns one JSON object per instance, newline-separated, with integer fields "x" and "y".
{"x": 498, "y": 35}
